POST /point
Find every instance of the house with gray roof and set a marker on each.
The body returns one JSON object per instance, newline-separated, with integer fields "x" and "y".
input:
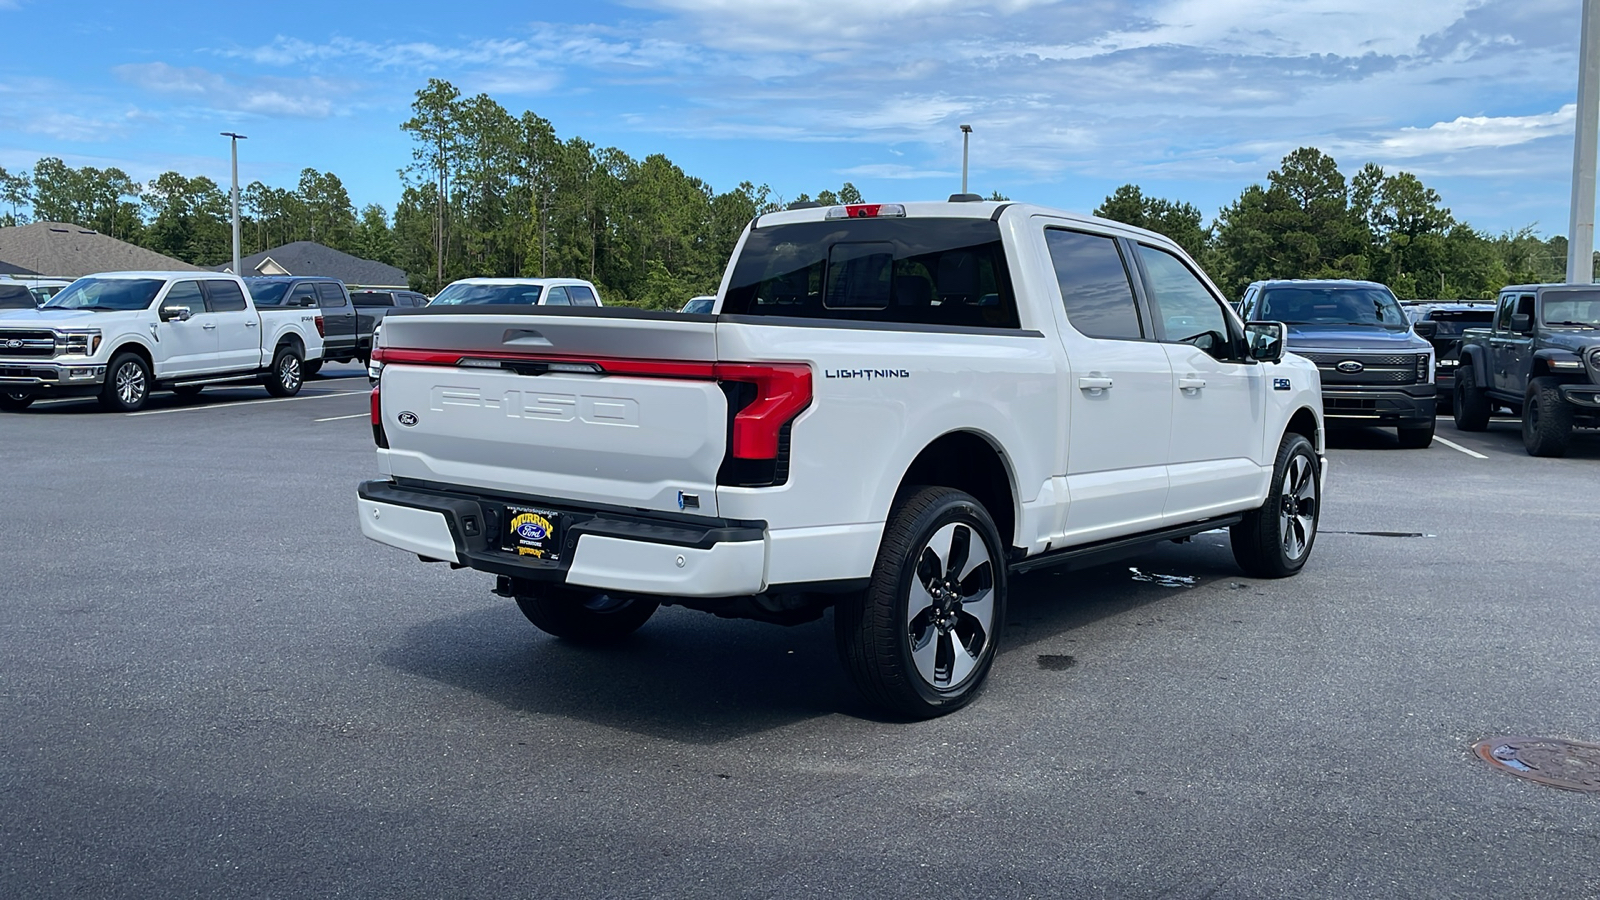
{"x": 311, "y": 258}
{"x": 60, "y": 250}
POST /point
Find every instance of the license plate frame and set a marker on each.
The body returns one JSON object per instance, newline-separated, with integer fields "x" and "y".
{"x": 533, "y": 533}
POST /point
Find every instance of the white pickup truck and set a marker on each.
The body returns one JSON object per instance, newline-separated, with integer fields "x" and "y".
{"x": 891, "y": 409}
{"x": 121, "y": 335}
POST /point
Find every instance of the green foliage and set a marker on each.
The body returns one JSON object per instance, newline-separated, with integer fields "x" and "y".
{"x": 1179, "y": 221}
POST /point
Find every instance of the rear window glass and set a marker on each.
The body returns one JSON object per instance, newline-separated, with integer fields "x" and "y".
{"x": 15, "y": 296}
{"x": 460, "y": 294}
{"x": 914, "y": 271}
{"x": 367, "y": 299}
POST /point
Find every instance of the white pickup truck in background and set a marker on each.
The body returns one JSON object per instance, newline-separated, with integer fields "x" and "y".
{"x": 890, "y": 410}
{"x": 121, "y": 335}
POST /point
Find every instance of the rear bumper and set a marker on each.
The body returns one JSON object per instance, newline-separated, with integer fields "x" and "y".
{"x": 1413, "y": 405}
{"x": 606, "y": 550}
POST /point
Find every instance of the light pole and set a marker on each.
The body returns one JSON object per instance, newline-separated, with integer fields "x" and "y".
{"x": 1580, "y": 225}
{"x": 966, "y": 133}
{"x": 234, "y": 143}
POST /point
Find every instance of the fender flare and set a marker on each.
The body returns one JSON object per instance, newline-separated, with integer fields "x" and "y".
{"x": 1472, "y": 355}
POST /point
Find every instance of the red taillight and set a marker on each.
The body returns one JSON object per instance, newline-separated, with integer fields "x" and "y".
{"x": 781, "y": 393}
{"x": 378, "y": 437}
{"x": 321, "y": 330}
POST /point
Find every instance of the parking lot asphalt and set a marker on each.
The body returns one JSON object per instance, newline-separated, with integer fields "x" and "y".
{"x": 212, "y": 685}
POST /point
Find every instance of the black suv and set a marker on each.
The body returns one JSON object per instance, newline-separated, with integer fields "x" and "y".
{"x": 342, "y": 340}
{"x": 1450, "y": 318}
{"x": 1540, "y": 358}
{"x": 1376, "y": 367}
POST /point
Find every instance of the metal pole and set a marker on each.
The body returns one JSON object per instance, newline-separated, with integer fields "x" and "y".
{"x": 1586, "y": 130}
{"x": 966, "y": 133}
{"x": 234, "y": 140}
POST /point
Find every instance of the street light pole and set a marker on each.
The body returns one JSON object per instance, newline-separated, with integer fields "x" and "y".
{"x": 966, "y": 133}
{"x": 1580, "y": 226}
{"x": 234, "y": 142}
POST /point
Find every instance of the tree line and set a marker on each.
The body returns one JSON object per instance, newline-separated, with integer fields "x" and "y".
{"x": 492, "y": 193}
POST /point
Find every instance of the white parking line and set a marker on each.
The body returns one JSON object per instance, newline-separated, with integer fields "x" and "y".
{"x": 178, "y": 409}
{"x": 1455, "y": 446}
{"x": 337, "y": 418}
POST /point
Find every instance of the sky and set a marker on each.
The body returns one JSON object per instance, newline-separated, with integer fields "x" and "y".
{"x": 1193, "y": 100}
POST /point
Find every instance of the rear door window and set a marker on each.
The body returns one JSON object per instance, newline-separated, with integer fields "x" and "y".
{"x": 556, "y": 296}
{"x": 946, "y": 272}
{"x": 329, "y": 296}
{"x": 1095, "y": 287}
{"x": 224, "y": 296}
{"x": 580, "y": 295}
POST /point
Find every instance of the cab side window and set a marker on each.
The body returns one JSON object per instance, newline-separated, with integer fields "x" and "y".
{"x": 1187, "y": 311}
{"x": 581, "y": 295}
{"x": 1095, "y": 287}
{"x": 329, "y": 296}
{"x": 556, "y": 296}
{"x": 224, "y": 296}
{"x": 302, "y": 295}
{"x": 187, "y": 295}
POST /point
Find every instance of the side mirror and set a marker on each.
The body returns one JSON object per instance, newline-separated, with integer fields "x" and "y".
{"x": 181, "y": 313}
{"x": 308, "y": 301}
{"x": 1521, "y": 323}
{"x": 1426, "y": 329}
{"x": 1265, "y": 340}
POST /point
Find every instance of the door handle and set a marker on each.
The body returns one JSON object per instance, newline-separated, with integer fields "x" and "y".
{"x": 209, "y": 326}
{"x": 1191, "y": 384}
{"x": 1094, "y": 384}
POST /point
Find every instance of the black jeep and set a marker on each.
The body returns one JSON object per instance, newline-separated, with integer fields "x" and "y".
{"x": 1541, "y": 359}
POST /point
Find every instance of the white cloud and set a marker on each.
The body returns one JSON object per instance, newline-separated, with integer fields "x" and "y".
{"x": 1476, "y": 133}
{"x": 310, "y": 98}
{"x": 894, "y": 172}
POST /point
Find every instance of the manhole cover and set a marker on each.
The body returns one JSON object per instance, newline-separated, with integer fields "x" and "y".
{"x": 1573, "y": 765}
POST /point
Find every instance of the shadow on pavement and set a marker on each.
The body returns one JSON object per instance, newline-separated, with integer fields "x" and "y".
{"x": 691, "y": 677}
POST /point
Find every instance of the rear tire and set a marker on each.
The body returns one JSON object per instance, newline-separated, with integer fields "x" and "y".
{"x": 921, "y": 639}
{"x": 1417, "y": 437}
{"x": 584, "y": 616}
{"x": 286, "y": 375}
{"x": 1546, "y": 419}
{"x": 1275, "y": 541}
{"x": 1470, "y": 406}
{"x": 127, "y": 384}
{"x": 15, "y": 401}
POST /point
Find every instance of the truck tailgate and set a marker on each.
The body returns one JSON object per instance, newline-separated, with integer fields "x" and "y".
{"x": 533, "y": 404}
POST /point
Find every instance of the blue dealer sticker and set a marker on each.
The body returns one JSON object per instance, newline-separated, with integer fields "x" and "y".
{"x": 1280, "y": 384}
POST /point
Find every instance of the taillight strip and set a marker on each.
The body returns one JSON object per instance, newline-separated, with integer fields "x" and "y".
{"x": 783, "y": 390}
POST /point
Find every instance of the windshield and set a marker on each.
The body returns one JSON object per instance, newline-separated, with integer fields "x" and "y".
{"x": 267, "y": 293}
{"x": 460, "y": 294}
{"x": 107, "y": 294}
{"x": 1331, "y": 305}
{"x": 1576, "y": 308}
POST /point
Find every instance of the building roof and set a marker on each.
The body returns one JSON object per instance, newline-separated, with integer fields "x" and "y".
{"x": 311, "y": 258}
{"x": 9, "y": 269}
{"x": 60, "y": 250}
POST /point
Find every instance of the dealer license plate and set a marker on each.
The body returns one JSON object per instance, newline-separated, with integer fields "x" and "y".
{"x": 533, "y": 532}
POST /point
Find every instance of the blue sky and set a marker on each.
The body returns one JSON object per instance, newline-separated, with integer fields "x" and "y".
{"x": 1191, "y": 99}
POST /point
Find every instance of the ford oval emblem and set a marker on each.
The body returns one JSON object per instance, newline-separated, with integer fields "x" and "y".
{"x": 1350, "y": 367}
{"x": 13, "y": 344}
{"x": 408, "y": 419}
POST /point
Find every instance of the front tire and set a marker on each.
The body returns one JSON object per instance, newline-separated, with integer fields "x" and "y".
{"x": 286, "y": 375}
{"x": 921, "y": 639}
{"x": 15, "y": 401}
{"x": 1470, "y": 406}
{"x": 1546, "y": 419}
{"x": 1275, "y": 541}
{"x": 1417, "y": 437}
{"x": 583, "y": 616}
{"x": 127, "y": 385}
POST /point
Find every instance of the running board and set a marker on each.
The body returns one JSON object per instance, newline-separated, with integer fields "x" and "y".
{"x": 1101, "y": 552}
{"x": 220, "y": 379}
